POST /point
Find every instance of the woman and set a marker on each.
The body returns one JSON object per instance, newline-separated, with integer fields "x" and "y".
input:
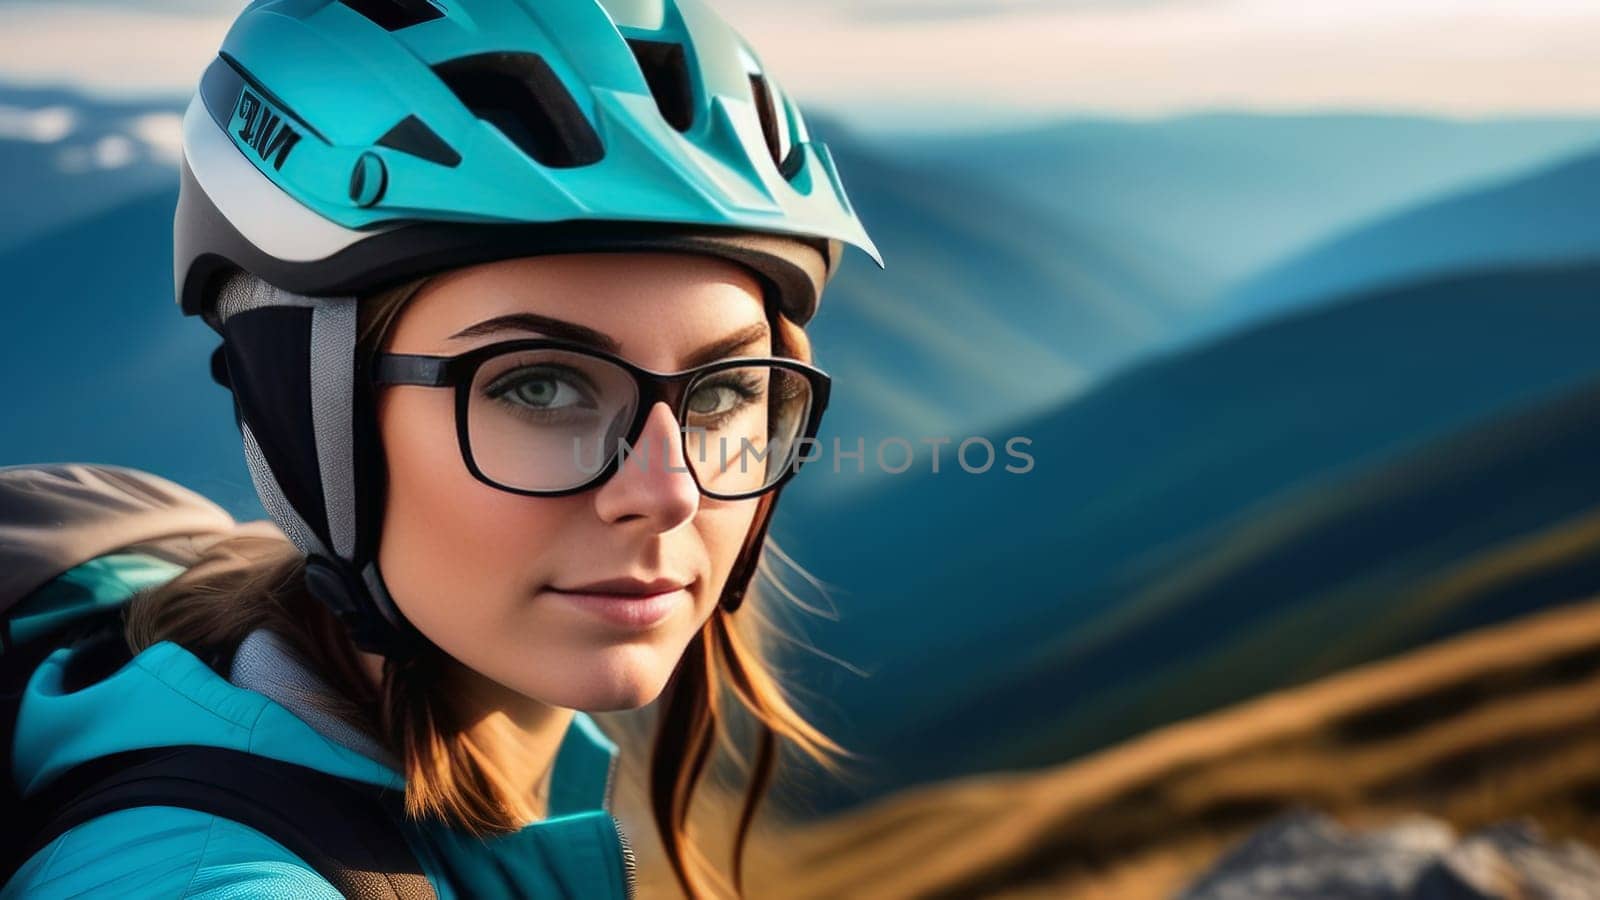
{"x": 526, "y": 475}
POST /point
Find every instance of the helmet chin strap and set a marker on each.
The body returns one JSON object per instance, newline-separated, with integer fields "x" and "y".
{"x": 353, "y": 602}
{"x": 744, "y": 567}
{"x": 311, "y": 446}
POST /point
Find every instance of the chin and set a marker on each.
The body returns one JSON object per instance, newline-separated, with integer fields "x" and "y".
{"x": 616, "y": 697}
{"x": 616, "y": 679}
{"x": 625, "y": 704}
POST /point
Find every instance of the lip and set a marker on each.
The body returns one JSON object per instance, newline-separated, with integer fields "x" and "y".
{"x": 629, "y": 603}
{"x": 626, "y": 586}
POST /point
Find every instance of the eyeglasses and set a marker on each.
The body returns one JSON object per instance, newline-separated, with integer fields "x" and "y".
{"x": 546, "y": 417}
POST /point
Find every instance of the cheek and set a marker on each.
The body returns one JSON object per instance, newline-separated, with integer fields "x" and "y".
{"x": 723, "y": 527}
{"x": 462, "y": 559}
{"x": 447, "y": 535}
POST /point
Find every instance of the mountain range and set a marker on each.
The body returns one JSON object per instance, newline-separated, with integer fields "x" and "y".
{"x": 1204, "y": 520}
{"x": 1224, "y": 195}
{"x": 1543, "y": 216}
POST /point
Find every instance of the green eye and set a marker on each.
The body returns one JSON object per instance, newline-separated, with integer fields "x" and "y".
{"x": 536, "y": 392}
{"x": 542, "y": 388}
{"x": 714, "y": 399}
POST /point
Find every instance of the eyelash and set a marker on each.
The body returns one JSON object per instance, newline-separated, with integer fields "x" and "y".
{"x": 503, "y": 385}
{"x": 748, "y": 388}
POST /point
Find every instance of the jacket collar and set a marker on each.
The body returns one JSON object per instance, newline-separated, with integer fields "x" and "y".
{"x": 166, "y": 696}
{"x": 585, "y": 762}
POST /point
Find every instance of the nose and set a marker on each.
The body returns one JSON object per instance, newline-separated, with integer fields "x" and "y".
{"x": 652, "y": 482}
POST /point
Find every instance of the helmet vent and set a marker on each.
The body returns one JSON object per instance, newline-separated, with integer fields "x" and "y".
{"x": 411, "y": 135}
{"x": 667, "y": 72}
{"x": 393, "y": 15}
{"x": 769, "y": 117}
{"x": 519, "y": 94}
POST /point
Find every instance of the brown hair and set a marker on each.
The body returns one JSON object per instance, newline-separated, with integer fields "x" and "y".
{"x": 245, "y": 583}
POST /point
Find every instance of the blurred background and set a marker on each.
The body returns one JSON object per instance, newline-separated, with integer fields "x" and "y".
{"x": 1297, "y": 303}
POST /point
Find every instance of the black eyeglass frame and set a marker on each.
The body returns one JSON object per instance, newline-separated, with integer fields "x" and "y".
{"x": 460, "y": 371}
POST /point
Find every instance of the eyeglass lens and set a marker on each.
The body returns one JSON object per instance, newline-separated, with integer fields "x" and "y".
{"x": 550, "y": 419}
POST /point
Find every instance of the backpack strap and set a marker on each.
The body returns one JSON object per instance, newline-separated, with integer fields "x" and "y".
{"x": 347, "y": 830}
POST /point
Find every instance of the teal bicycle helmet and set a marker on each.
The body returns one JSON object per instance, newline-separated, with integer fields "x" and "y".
{"x": 338, "y": 147}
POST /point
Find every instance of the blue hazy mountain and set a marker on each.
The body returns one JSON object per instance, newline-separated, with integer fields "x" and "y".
{"x": 1545, "y": 216}
{"x": 1165, "y": 513}
{"x": 112, "y": 372}
{"x": 988, "y": 307}
{"x": 1478, "y": 528}
{"x": 997, "y": 301}
{"x": 80, "y": 156}
{"x": 967, "y": 327}
{"x": 1226, "y": 195}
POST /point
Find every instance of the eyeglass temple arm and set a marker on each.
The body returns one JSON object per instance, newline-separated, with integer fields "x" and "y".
{"x": 405, "y": 368}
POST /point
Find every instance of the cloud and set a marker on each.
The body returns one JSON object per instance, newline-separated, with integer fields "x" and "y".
{"x": 888, "y": 63}
{"x": 162, "y": 134}
{"x": 46, "y": 125}
{"x": 937, "y": 10}
{"x": 865, "y": 10}
{"x": 1464, "y": 57}
{"x": 112, "y": 151}
{"x": 121, "y": 50}
{"x": 183, "y": 7}
{"x": 100, "y": 142}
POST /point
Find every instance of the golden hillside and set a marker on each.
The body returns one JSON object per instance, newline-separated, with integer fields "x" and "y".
{"x": 1490, "y": 725}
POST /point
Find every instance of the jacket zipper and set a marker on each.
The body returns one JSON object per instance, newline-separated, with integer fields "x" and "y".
{"x": 611, "y": 784}
{"x": 630, "y": 863}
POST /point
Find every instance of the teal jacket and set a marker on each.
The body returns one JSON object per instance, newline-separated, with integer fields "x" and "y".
{"x": 166, "y": 695}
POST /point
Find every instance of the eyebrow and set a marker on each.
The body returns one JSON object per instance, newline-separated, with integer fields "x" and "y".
{"x": 718, "y": 349}
{"x": 545, "y": 325}
{"x": 582, "y": 334}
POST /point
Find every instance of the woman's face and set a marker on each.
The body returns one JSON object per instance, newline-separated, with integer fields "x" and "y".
{"x": 478, "y": 569}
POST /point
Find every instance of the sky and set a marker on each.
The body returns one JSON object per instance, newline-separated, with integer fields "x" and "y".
{"x": 887, "y": 64}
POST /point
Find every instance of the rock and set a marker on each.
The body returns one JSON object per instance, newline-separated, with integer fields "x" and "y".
{"x": 1512, "y": 860}
{"x": 1306, "y": 854}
